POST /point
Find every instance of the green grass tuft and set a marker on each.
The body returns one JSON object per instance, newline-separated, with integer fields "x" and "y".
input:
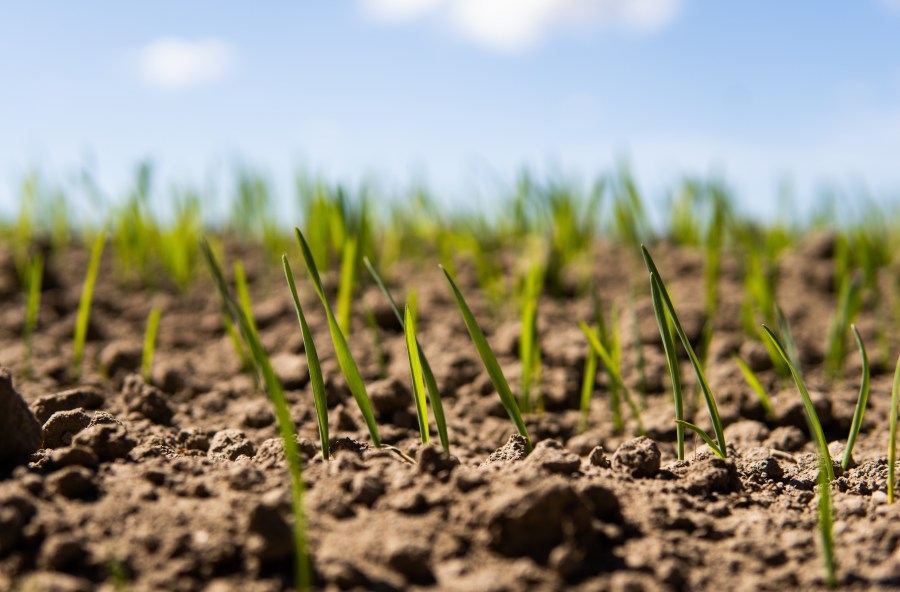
{"x": 490, "y": 362}
{"x": 312, "y": 362}
{"x": 415, "y": 367}
{"x": 341, "y": 348}
{"x": 612, "y": 369}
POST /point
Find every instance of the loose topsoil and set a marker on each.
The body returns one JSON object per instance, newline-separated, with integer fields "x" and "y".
{"x": 181, "y": 484}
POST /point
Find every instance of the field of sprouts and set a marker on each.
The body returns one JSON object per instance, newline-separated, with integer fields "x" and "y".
{"x": 578, "y": 390}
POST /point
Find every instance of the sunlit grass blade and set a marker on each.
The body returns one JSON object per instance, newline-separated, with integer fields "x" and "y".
{"x": 812, "y": 418}
{"x": 826, "y": 535}
{"x": 668, "y": 341}
{"x": 892, "y": 441}
{"x": 699, "y": 431}
{"x": 282, "y": 415}
{"x": 587, "y": 388}
{"x": 243, "y": 294}
{"x": 84, "y": 305}
{"x": 490, "y": 362}
{"x": 150, "y": 343}
{"x": 754, "y": 383}
{"x": 312, "y": 361}
{"x": 32, "y": 307}
{"x": 434, "y": 395}
{"x": 415, "y": 368}
{"x": 341, "y": 348}
{"x": 529, "y": 348}
{"x": 846, "y": 309}
{"x": 861, "y": 402}
{"x": 790, "y": 345}
{"x": 349, "y": 263}
{"x": 613, "y": 370}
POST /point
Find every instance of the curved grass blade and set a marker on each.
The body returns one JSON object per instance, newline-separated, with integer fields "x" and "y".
{"x": 812, "y": 417}
{"x": 612, "y": 369}
{"x": 341, "y": 348}
{"x": 434, "y": 395}
{"x": 700, "y": 432}
{"x": 892, "y": 442}
{"x": 415, "y": 369}
{"x": 150, "y": 343}
{"x": 672, "y": 362}
{"x": 84, "y": 305}
{"x": 754, "y": 383}
{"x": 282, "y": 415}
{"x": 490, "y": 362}
{"x": 861, "y": 402}
{"x": 312, "y": 361}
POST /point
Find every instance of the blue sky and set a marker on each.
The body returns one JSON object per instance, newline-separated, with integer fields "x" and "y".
{"x": 461, "y": 93}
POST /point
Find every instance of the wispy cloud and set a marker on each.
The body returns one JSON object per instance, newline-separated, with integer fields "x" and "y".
{"x": 513, "y": 26}
{"x": 175, "y": 64}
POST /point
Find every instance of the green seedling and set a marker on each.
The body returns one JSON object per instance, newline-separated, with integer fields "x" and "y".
{"x": 790, "y": 344}
{"x": 812, "y": 418}
{"x": 243, "y": 293}
{"x": 490, "y": 362}
{"x": 665, "y": 333}
{"x": 84, "y": 305}
{"x": 312, "y": 361}
{"x": 754, "y": 383}
{"x": 861, "y": 402}
{"x": 434, "y": 395}
{"x": 239, "y": 349}
{"x": 892, "y": 440}
{"x": 826, "y": 536}
{"x": 663, "y": 300}
{"x": 848, "y": 307}
{"x": 587, "y": 386}
{"x": 612, "y": 370}
{"x": 415, "y": 367}
{"x": 529, "y": 348}
{"x": 349, "y": 266}
{"x": 282, "y": 415}
{"x": 32, "y": 307}
{"x": 341, "y": 348}
{"x": 150, "y": 343}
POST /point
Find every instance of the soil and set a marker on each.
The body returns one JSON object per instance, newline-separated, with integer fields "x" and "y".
{"x": 181, "y": 484}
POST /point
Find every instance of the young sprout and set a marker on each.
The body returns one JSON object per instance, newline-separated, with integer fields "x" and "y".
{"x": 243, "y": 293}
{"x": 150, "y": 343}
{"x": 490, "y": 362}
{"x": 755, "y": 384}
{"x": 434, "y": 394}
{"x": 282, "y": 415}
{"x": 848, "y": 305}
{"x": 32, "y": 307}
{"x": 790, "y": 345}
{"x": 312, "y": 361}
{"x": 661, "y": 300}
{"x": 415, "y": 367}
{"x": 349, "y": 266}
{"x": 84, "y": 305}
{"x": 826, "y": 536}
{"x": 529, "y": 348}
{"x": 668, "y": 342}
{"x": 613, "y": 370}
{"x": 861, "y": 402}
{"x": 892, "y": 441}
{"x": 587, "y": 386}
{"x": 341, "y": 348}
{"x": 812, "y": 418}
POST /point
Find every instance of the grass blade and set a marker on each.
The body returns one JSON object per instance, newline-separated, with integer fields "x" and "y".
{"x": 341, "y": 348}
{"x": 415, "y": 368}
{"x": 668, "y": 341}
{"x": 282, "y": 415}
{"x": 84, "y": 305}
{"x": 490, "y": 362}
{"x": 587, "y": 387}
{"x": 349, "y": 262}
{"x": 892, "y": 442}
{"x": 312, "y": 362}
{"x": 826, "y": 535}
{"x": 434, "y": 395}
{"x": 32, "y": 307}
{"x": 754, "y": 383}
{"x": 790, "y": 345}
{"x": 812, "y": 417}
{"x": 861, "y": 402}
{"x": 150, "y": 343}
{"x": 700, "y": 432}
{"x": 613, "y": 371}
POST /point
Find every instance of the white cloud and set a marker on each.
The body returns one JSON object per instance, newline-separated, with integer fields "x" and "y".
{"x": 890, "y": 5}
{"x": 513, "y": 26}
{"x": 175, "y": 64}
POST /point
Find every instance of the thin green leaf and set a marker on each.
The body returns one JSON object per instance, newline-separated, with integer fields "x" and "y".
{"x": 672, "y": 363}
{"x": 861, "y": 402}
{"x": 892, "y": 441}
{"x": 32, "y": 307}
{"x": 754, "y": 383}
{"x": 415, "y": 369}
{"x": 826, "y": 535}
{"x": 490, "y": 362}
{"x": 587, "y": 388}
{"x": 700, "y": 432}
{"x": 150, "y": 343}
{"x": 341, "y": 348}
{"x": 84, "y": 305}
{"x": 349, "y": 262}
{"x": 312, "y": 362}
{"x": 613, "y": 371}
{"x": 812, "y": 417}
